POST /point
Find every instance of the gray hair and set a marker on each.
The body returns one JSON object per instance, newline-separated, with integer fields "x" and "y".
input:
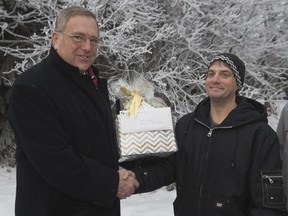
{"x": 64, "y": 16}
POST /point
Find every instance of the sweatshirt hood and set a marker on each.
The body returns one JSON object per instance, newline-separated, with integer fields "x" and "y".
{"x": 246, "y": 112}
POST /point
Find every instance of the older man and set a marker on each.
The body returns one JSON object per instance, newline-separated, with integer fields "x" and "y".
{"x": 67, "y": 160}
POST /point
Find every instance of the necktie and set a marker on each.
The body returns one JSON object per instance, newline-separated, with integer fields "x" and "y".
{"x": 93, "y": 77}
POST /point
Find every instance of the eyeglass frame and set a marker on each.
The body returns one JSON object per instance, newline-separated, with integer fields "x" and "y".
{"x": 83, "y": 38}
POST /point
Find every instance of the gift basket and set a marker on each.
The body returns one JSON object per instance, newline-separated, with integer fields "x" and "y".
{"x": 144, "y": 122}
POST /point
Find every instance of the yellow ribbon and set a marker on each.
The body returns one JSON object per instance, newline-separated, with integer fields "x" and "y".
{"x": 135, "y": 103}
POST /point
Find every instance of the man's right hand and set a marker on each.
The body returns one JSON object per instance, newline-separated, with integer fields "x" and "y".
{"x": 127, "y": 183}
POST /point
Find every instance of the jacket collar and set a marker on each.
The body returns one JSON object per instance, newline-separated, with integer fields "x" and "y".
{"x": 247, "y": 111}
{"x": 61, "y": 62}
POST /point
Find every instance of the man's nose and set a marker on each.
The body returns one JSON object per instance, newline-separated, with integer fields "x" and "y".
{"x": 87, "y": 44}
{"x": 216, "y": 77}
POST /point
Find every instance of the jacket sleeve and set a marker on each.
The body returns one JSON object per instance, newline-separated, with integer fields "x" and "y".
{"x": 282, "y": 128}
{"x": 152, "y": 172}
{"x": 265, "y": 157}
{"x": 282, "y": 132}
{"x": 40, "y": 135}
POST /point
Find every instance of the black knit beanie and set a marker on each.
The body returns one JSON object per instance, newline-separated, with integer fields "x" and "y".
{"x": 235, "y": 63}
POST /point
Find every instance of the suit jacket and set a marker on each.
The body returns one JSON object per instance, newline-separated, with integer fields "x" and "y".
{"x": 66, "y": 153}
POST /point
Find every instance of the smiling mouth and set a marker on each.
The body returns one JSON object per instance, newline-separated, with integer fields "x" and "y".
{"x": 214, "y": 87}
{"x": 84, "y": 57}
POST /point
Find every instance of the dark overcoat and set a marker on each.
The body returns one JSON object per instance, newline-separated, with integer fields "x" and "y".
{"x": 66, "y": 155}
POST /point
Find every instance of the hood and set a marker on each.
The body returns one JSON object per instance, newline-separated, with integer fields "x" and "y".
{"x": 246, "y": 112}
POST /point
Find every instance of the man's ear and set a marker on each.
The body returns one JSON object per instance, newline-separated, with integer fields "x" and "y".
{"x": 237, "y": 91}
{"x": 55, "y": 38}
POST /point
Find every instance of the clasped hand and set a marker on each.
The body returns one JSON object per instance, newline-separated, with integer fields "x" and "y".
{"x": 127, "y": 183}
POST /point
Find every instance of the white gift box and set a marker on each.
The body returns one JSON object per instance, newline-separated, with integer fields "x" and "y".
{"x": 149, "y": 132}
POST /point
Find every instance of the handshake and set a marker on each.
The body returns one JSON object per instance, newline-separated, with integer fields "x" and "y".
{"x": 127, "y": 183}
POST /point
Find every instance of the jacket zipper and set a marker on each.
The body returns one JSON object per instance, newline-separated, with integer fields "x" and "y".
{"x": 270, "y": 178}
{"x": 209, "y": 134}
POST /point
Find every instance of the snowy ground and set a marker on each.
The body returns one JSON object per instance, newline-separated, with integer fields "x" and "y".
{"x": 157, "y": 203}
{"x": 7, "y": 191}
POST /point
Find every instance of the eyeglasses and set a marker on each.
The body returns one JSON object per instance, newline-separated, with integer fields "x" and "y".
{"x": 80, "y": 38}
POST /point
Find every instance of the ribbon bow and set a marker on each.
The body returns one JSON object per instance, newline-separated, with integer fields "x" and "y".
{"x": 133, "y": 109}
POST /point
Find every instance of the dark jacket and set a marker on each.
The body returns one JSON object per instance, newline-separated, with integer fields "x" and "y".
{"x": 218, "y": 171}
{"x": 66, "y": 155}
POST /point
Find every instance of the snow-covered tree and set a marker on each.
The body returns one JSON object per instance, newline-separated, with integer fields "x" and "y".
{"x": 169, "y": 42}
